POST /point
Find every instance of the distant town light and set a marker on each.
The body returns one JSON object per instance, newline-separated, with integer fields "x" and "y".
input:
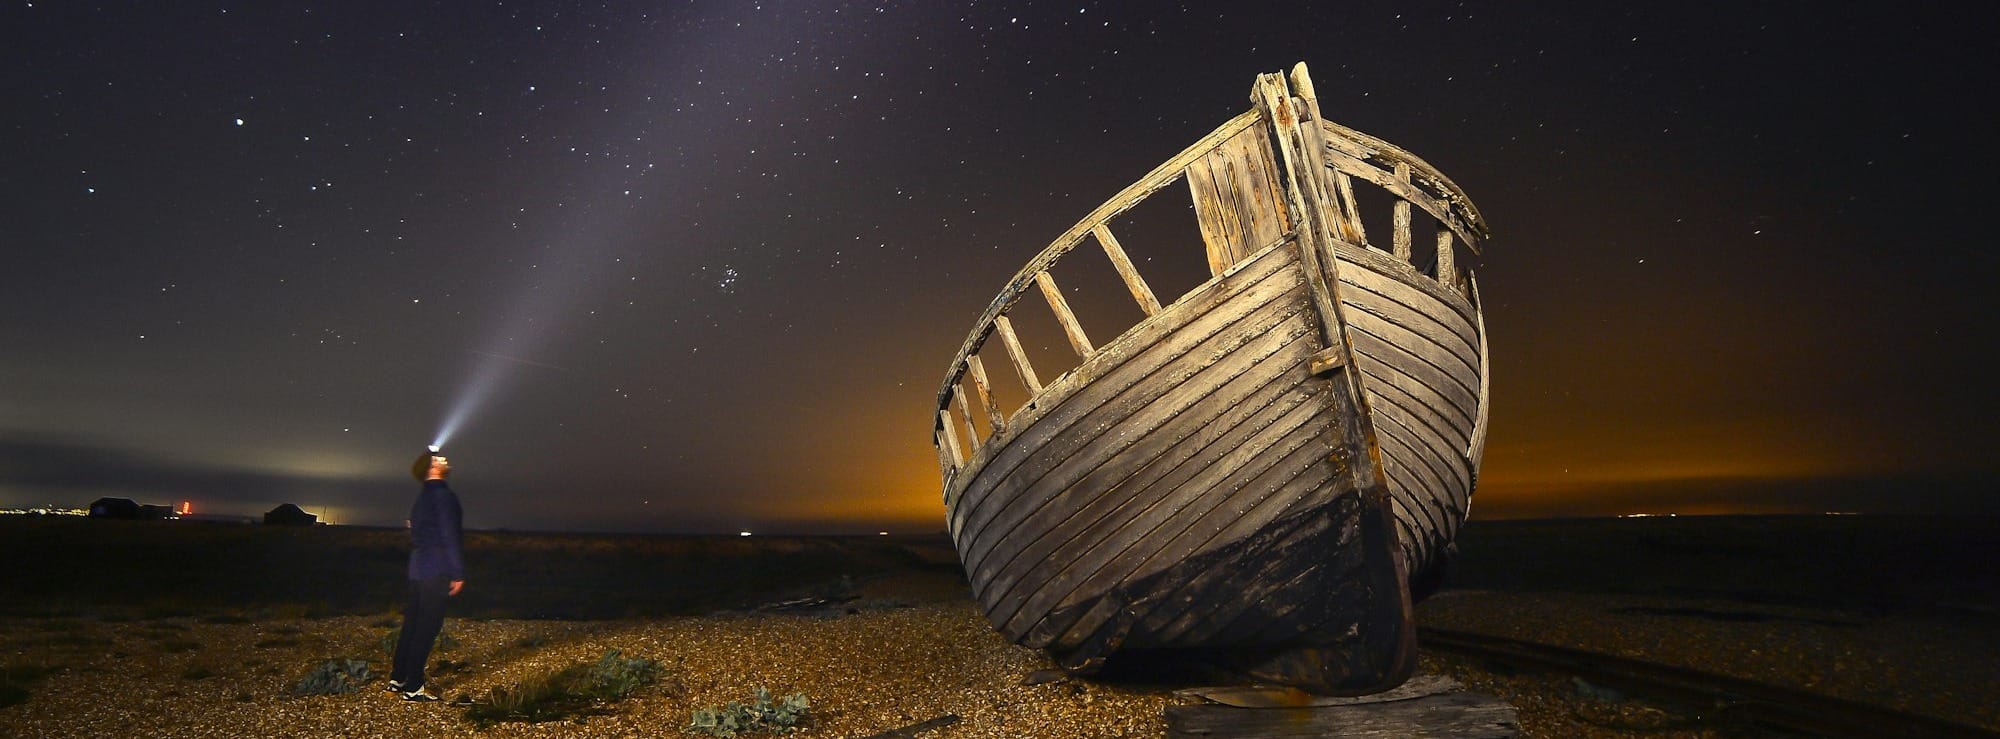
{"x": 881, "y": 533}
{"x": 745, "y": 533}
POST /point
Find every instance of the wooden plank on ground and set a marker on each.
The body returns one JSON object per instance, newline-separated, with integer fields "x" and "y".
{"x": 913, "y": 730}
{"x": 1258, "y": 696}
{"x": 1447, "y": 715}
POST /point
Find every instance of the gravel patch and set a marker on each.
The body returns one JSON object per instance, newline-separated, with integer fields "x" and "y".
{"x": 876, "y": 666}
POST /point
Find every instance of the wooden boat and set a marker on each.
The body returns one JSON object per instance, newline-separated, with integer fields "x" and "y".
{"x": 1265, "y": 471}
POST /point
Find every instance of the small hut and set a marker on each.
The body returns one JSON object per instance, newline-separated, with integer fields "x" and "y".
{"x": 114, "y": 508}
{"x": 289, "y": 515}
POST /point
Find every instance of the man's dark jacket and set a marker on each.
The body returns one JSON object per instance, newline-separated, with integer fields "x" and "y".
{"x": 436, "y": 526}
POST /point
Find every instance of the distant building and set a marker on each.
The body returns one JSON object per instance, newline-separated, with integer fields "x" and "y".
{"x": 114, "y": 508}
{"x": 290, "y": 515}
{"x": 150, "y": 512}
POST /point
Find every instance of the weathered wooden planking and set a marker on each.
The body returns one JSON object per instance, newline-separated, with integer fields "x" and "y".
{"x": 1392, "y": 301}
{"x": 1424, "y": 491}
{"x": 1259, "y": 696}
{"x": 1119, "y": 459}
{"x": 1234, "y": 192}
{"x": 1383, "y": 269}
{"x": 1115, "y": 418}
{"x": 1262, "y": 599}
{"x": 1063, "y": 522}
{"x": 1434, "y": 326}
{"x": 1417, "y": 404}
{"x": 1383, "y": 355}
{"x": 1127, "y": 361}
{"x": 1127, "y": 446}
{"x": 1445, "y": 716}
{"x": 1059, "y": 405}
{"x": 1121, "y": 554}
{"x": 1211, "y": 187}
{"x": 1234, "y": 592}
{"x": 1258, "y": 190}
{"x": 1298, "y": 482}
{"x": 1442, "y": 452}
{"x": 1440, "y": 467}
{"x": 1247, "y": 414}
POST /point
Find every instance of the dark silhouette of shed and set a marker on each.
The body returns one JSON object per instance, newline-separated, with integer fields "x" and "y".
{"x": 289, "y": 515}
{"x": 114, "y": 508}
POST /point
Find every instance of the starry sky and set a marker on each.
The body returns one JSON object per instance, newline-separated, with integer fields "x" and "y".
{"x": 699, "y": 266}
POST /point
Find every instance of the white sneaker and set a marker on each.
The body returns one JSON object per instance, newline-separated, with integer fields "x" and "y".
{"x": 420, "y": 696}
{"x": 393, "y": 687}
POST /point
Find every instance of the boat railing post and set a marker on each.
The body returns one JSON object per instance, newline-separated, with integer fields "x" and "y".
{"x": 965, "y": 413}
{"x": 948, "y": 439}
{"x": 1447, "y": 269}
{"x": 1026, "y": 371}
{"x": 985, "y": 390}
{"x": 1137, "y": 285}
{"x": 1400, "y": 245}
{"x": 1077, "y": 340}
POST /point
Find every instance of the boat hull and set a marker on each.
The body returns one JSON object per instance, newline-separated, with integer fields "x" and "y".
{"x": 1270, "y": 469}
{"x": 1179, "y": 491}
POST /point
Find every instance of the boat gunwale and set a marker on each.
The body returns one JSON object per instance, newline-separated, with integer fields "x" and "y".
{"x": 1056, "y": 393}
{"x": 1356, "y": 146}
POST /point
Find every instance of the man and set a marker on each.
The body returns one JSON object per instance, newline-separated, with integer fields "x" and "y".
{"x": 437, "y": 571}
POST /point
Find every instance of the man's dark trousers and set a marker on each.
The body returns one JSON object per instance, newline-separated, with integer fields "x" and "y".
{"x": 423, "y": 618}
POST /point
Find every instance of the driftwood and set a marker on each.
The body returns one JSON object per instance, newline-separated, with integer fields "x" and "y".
{"x": 1243, "y": 696}
{"x": 1427, "y": 705}
{"x": 911, "y": 731}
{"x": 1445, "y": 716}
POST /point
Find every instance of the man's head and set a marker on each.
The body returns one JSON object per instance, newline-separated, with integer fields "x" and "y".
{"x": 430, "y": 466}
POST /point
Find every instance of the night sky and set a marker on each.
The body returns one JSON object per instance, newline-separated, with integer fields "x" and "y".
{"x": 699, "y": 267}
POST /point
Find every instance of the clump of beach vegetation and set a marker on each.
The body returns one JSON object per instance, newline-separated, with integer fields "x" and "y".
{"x": 761, "y": 714}
{"x": 334, "y": 677}
{"x": 579, "y": 689}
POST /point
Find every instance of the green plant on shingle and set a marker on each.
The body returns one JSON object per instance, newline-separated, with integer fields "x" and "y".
{"x": 574, "y": 690}
{"x": 786, "y": 715}
{"x": 333, "y": 677}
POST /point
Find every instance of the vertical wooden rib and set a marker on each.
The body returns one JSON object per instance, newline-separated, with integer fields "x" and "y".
{"x": 1447, "y": 272}
{"x": 1077, "y": 340}
{"x": 950, "y": 437}
{"x": 985, "y": 390}
{"x": 1140, "y": 291}
{"x": 1401, "y": 245}
{"x": 1021, "y": 367}
{"x": 965, "y": 412}
{"x": 1349, "y": 217}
